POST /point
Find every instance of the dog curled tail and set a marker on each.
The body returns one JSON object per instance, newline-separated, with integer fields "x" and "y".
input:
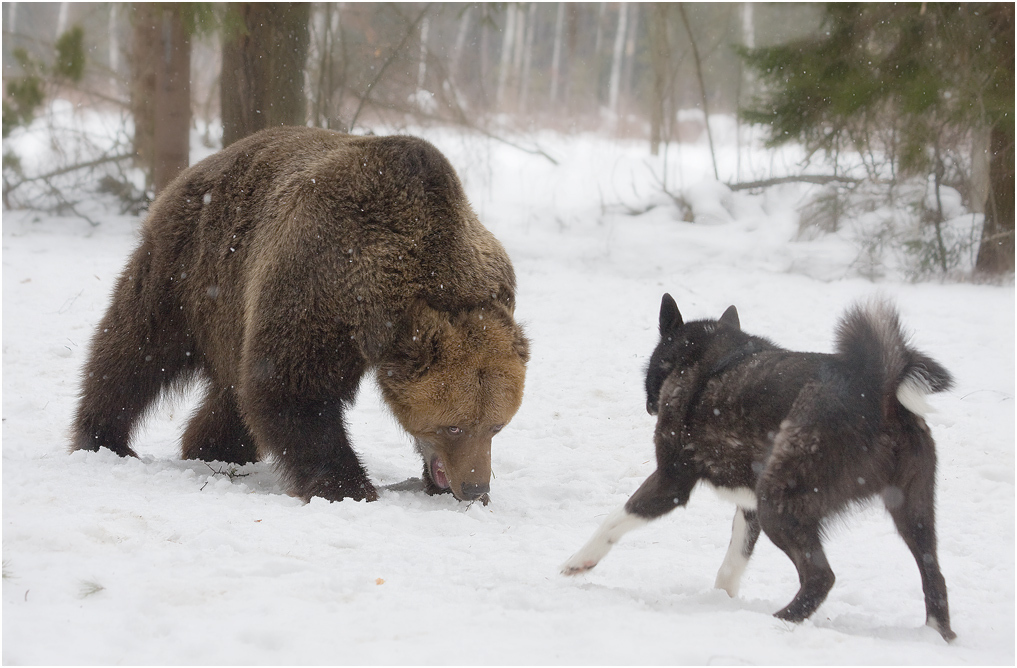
{"x": 873, "y": 345}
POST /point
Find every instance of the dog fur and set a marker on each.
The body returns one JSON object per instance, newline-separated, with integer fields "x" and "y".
{"x": 793, "y": 439}
{"x": 281, "y": 270}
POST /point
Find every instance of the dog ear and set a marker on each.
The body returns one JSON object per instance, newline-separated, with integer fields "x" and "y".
{"x": 670, "y": 317}
{"x": 730, "y": 318}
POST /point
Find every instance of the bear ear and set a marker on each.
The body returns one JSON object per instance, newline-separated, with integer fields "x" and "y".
{"x": 730, "y": 318}
{"x": 670, "y": 317}
{"x": 421, "y": 348}
{"x": 521, "y": 344}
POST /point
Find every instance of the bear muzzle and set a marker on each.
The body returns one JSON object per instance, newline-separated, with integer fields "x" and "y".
{"x": 462, "y": 468}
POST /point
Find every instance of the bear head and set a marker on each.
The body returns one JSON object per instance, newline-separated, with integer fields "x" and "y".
{"x": 453, "y": 381}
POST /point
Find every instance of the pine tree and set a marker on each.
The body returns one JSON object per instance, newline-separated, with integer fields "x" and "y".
{"x": 920, "y": 70}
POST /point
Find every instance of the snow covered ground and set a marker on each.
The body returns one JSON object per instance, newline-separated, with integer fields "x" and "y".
{"x": 158, "y": 560}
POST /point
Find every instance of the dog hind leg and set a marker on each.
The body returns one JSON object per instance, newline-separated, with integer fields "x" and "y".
{"x": 744, "y": 534}
{"x": 798, "y": 535}
{"x": 656, "y": 496}
{"x": 910, "y": 500}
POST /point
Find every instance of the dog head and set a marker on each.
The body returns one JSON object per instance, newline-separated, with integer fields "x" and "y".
{"x": 685, "y": 345}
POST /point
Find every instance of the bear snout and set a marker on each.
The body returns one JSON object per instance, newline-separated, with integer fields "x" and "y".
{"x": 471, "y": 491}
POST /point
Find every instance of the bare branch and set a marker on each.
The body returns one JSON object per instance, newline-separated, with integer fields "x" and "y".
{"x": 410, "y": 31}
{"x": 70, "y": 168}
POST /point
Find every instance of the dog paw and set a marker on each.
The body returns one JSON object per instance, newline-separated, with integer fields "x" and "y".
{"x": 577, "y": 565}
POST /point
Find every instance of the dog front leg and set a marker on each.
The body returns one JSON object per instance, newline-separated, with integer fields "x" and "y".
{"x": 617, "y": 524}
{"x": 656, "y": 496}
{"x": 744, "y": 534}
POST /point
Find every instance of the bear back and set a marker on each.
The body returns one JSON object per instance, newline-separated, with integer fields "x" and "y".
{"x": 325, "y": 230}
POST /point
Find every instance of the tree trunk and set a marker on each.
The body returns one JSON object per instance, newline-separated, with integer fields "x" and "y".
{"x": 114, "y": 41}
{"x": 457, "y": 54}
{"x": 160, "y": 92}
{"x": 630, "y": 52}
{"x": 422, "y": 67}
{"x": 517, "y": 47}
{"x": 263, "y": 69}
{"x": 616, "y": 60}
{"x": 506, "y": 54}
{"x": 996, "y": 250}
{"x": 556, "y": 57}
{"x": 144, "y": 54}
{"x": 485, "y": 20}
{"x": 745, "y": 82}
{"x": 702, "y": 85}
{"x": 320, "y": 54}
{"x": 659, "y": 54}
{"x": 61, "y": 24}
{"x": 599, "y": 41}
{"x": 572, "y": 41}
{"x": 172, "y": 99}
{"x": 531, "y": 33}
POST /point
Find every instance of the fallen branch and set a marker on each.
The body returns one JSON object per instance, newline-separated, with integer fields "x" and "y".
{"x": 819, "y": 179}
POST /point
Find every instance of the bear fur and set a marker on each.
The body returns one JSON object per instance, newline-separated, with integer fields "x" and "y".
{"x": 282, "y": 269}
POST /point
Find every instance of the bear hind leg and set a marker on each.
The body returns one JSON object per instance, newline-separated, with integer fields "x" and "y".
{"x": 131, "y": 362}
{"x": 216, "y": 432}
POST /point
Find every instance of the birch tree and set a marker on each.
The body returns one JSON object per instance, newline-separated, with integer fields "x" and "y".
{"x": 508, "y": 39}
{"x": 616, "y": 60}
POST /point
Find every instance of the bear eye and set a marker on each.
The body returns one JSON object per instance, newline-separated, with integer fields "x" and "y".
{"x": 498, "y": 427}
{"x": 455, "y": 431}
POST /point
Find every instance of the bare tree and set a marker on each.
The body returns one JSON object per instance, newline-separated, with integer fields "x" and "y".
{"x": 702, "y": 85}
{"x": 531, "y": 32}
{"x": 508, "y": 39}
{"x": 556, "y": 57}
{"x": 660, "y": 52}
{"x": 422, "y": 69}
{"x": 616, "y": 59}
{"x": 457, "y": 54}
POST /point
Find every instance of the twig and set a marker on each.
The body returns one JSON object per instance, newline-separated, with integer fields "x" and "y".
{"x": 230, "y": 473}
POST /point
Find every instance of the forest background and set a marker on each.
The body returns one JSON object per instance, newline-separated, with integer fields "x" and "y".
{"x": 890, "y": 102}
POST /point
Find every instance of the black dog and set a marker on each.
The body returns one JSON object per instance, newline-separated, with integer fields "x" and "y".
{"x": 794, "y": 438}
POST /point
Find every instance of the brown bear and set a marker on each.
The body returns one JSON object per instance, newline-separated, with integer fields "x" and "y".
{"x": 283, "y": 268}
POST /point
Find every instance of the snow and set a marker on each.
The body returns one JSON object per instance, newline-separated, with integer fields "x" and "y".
{"x": 159, "y": 560}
